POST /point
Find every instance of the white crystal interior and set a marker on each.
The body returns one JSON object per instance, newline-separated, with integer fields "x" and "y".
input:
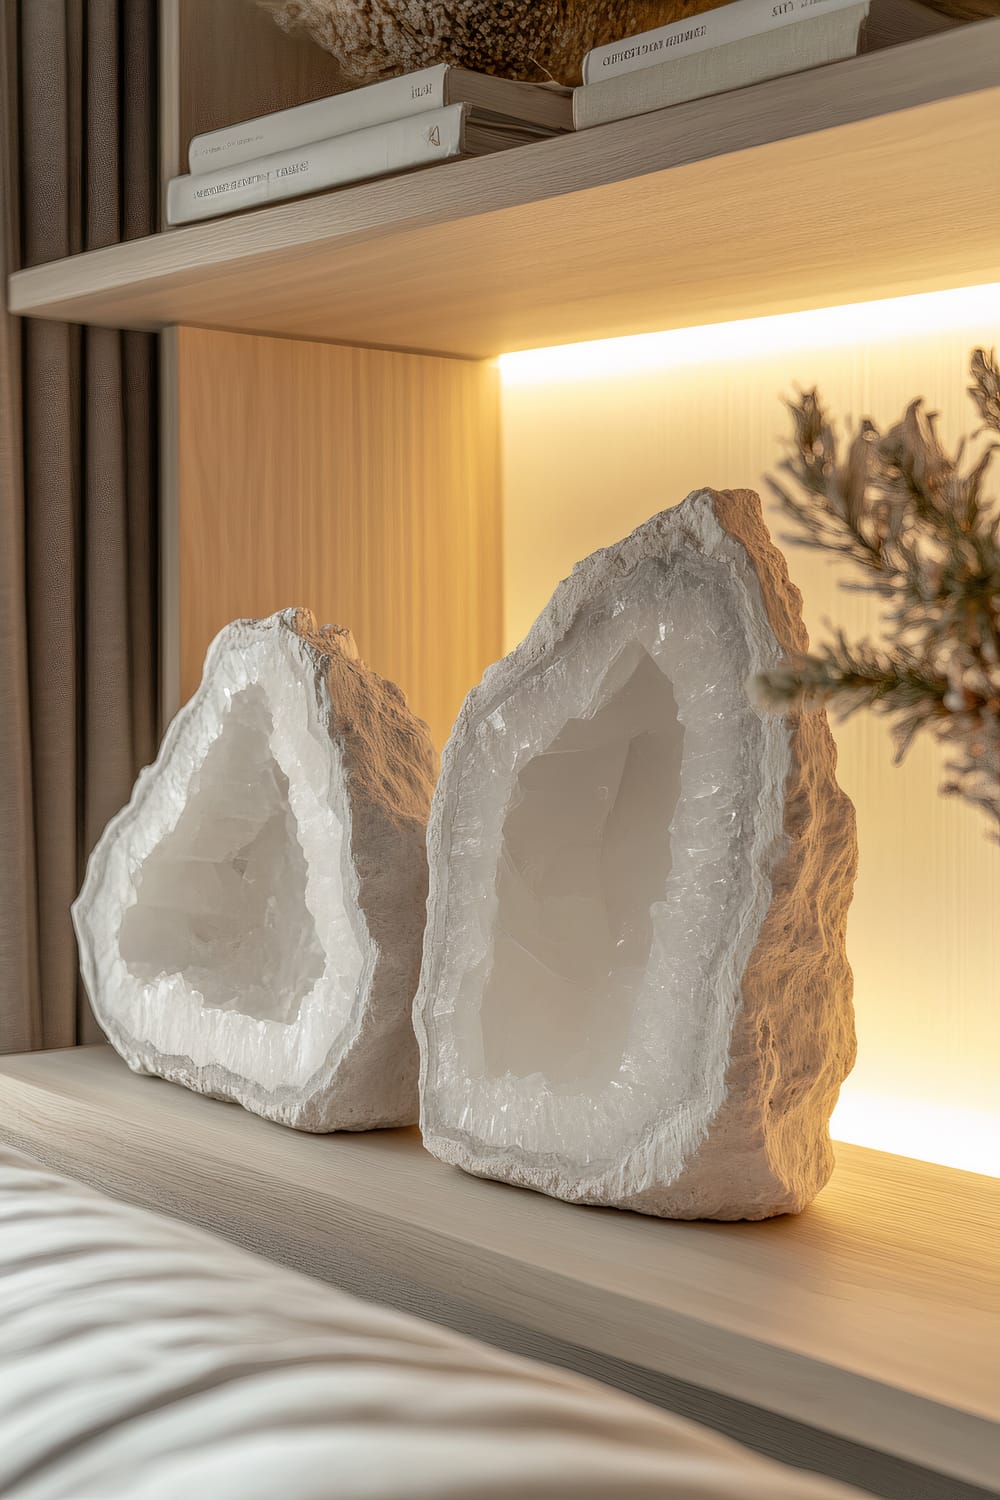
{"x": 583, "y": 861}
{"x": 222, "y": 899}
{"x": 230, "y": 901}
{"x": 607, "y": 828}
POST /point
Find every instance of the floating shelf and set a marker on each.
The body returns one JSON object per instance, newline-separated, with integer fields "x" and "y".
{"x": 870, "y": 1319}
{"x": 870, "y": 178}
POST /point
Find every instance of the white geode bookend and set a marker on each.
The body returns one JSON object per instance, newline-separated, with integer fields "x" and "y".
{"x": 635, "y": 989}
{"x": 250, "y": 924}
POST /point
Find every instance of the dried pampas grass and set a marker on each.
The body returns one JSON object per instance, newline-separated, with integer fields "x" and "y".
{"x": 535, "y": 40}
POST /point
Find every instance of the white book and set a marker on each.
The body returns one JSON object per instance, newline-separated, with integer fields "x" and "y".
{"x": 711, "y": 28}
{"x": 397, "y": 146}
{"x": 810, "y": 43}
{"x": 490, "y": 98}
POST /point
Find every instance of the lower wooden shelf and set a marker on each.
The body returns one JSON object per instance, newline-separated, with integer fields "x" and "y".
{"x": 861, "y": 1338}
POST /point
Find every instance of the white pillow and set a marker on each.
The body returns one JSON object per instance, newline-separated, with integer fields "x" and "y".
{"x": 143, "y": 1360}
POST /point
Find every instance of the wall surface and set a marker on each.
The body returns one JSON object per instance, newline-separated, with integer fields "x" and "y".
{"x": 360, "y": 483}
{"x": 592, "y": 447}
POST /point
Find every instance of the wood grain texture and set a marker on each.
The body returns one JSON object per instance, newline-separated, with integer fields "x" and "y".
{"x": 224, "y": 62}
{"x": 362, "y": 484}
{"x": 812, "y": 190}
{"x": 169, "y": 561}
{"x": 170, "y": 146}
{"x": 874, "y": 1316}
{"x": 236, "y": 64}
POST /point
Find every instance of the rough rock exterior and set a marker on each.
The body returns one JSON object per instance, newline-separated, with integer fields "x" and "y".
{"x": 635, "y": 989}
{"x": 250, "y": 924}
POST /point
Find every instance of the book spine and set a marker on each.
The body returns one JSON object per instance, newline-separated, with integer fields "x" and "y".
{"x": 735, "y": 22}
{"x": 735, "y": 65}
{"x": 342, "y": 114}
{"x": 382, "y": 149}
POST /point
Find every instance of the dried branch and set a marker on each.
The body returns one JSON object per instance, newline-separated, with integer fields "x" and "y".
{"x": 925, "y": 538}
{"x": 985, "y": 388}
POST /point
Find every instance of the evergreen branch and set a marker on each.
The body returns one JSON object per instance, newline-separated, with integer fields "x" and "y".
{"x": 921, "y": 531}
{"x": 985, "y": 388}
{"x": 851, "y": 677}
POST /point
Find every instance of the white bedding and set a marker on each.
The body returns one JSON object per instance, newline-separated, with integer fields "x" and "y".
{"x": 143, "y": 1360}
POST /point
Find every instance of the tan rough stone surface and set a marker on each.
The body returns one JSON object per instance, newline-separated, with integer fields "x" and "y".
{"x": 769, "y": 1148}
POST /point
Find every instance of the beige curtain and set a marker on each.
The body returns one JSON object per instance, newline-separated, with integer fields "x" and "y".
{"x": 78, "y": 569}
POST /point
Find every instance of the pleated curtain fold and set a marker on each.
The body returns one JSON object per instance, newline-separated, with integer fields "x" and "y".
{"x": 78, "y": 466}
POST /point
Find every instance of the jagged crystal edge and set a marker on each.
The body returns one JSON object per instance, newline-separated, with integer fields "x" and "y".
{"x": 304, "y": 1055}
{"x": 661, "y": 1108}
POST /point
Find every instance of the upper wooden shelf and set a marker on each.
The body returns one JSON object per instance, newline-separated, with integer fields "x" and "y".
{"x": 872, "y": 1318}
{"x": 871, "y": 178}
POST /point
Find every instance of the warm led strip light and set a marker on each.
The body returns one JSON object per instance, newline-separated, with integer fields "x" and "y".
{"x": 975, "y": 307}
{"x": 942, "y": 1133}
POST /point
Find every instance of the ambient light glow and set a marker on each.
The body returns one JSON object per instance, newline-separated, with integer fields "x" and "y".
{"x": 596, "y": 435}
{"x": 752, "y": 338}
{"x": 942, "y": 1133}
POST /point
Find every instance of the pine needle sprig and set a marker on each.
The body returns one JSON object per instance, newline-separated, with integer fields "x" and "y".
{"x": 916, "y": 522}
{"x": 985, "y": 387}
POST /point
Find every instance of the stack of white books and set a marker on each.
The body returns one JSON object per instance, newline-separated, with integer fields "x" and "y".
{"x": 414, "y": 121}
{"x": 745, "y": 42}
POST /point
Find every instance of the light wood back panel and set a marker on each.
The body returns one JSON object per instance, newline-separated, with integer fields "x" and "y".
{"x": 226, "y": 60}
{"x": 236, "y": 64}
{"x": 361, "y": 483}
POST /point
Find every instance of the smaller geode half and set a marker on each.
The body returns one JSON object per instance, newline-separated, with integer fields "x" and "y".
{"x": 250, "y": 924}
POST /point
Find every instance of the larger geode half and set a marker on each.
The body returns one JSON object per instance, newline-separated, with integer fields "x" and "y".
{"x": 250, "y": 924}
{"x": 635, "y": 989}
